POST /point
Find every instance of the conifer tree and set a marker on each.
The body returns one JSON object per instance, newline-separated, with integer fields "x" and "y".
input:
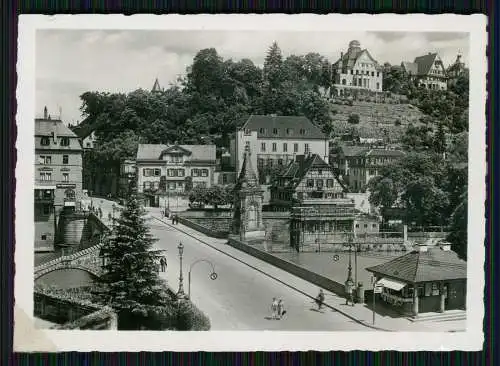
{"x": 131, "y": 284}
{"x": 272, "y": 66}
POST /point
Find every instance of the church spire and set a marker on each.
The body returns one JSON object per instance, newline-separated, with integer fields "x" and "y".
{"x": 247, "y": 177}
{"x": 156, "y": 87}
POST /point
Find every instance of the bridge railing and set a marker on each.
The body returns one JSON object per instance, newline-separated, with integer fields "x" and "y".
{"x": 68, "y": 258}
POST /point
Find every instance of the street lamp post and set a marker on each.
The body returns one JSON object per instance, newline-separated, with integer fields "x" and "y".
{"x": 213, "y": 275}
{"x": 180, "y": 292}
{"x": 349, "y": 283}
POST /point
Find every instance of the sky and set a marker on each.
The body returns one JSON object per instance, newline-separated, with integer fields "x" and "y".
{"x": 71, "y": 62}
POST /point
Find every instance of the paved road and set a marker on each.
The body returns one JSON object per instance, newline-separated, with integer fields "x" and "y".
{"x": 240, "y": 297}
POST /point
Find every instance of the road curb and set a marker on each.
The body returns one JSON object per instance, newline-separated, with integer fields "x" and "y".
{"x": 271, "y": 276}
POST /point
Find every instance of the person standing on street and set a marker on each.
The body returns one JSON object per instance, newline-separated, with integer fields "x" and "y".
{"x": 274, "y": 309}
{"x": 320, "y": 299}
{"x": 163, "y": 264}
{"x": 281, "y": 309}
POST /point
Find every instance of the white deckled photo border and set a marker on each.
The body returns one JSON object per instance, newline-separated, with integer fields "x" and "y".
{"x": 27, "y": 338}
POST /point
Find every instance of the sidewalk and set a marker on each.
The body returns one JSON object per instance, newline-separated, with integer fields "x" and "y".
{"x": 360, "y": 313}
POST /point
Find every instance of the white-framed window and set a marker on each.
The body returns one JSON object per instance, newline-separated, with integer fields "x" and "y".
{"x": 64, "y": 141}
{"x": 65, "y": 177}
{"x": 285, "y": 147}
{"x": 329, "y": 183}
{"x": 263, "y": 146}
{"x": 157, "y": 172}
{"x": 295, "y": 147}
{"x": 180, "y": 172}
{"x": 44, "y": 141}
{"x": 65, "y": 159}
{"x": 147, "y": 172}
{"x": 45, "y": 159}
{"x": 274, "y": 146}
{"x": 275, "y": 131}
{"x": 45, "y": 176}
{"x": 204, "y": 172}
{"x": 306, "y": 149}
{"x": 195, "y": 172}
{"x": 319, "y": 183}
{"x": 248, "y": 132}
{"x": 262, "y": 130}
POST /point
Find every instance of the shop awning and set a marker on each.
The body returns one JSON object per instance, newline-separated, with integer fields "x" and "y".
{"x": 392, "y": 284}
{"x": 37, "y": 186}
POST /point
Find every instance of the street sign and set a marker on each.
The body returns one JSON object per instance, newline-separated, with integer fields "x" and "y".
{"x": 378, "y": 289}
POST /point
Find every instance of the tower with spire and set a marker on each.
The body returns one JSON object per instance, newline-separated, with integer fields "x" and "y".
{"x": 248, "y": 196}
{"x": 156, "y": 87}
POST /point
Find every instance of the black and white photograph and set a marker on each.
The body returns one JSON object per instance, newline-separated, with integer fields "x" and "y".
{"x": 295, "y": 182}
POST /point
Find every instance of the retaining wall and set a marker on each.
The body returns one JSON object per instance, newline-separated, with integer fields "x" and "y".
{"x": 305, "y": 274}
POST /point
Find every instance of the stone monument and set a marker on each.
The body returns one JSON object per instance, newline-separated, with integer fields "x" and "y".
{"x": 248, "y": 196}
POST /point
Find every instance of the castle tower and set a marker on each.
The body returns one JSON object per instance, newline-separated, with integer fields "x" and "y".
{"x": 247, "y": 219}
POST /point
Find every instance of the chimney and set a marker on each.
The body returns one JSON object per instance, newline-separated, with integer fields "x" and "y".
{"x": 45, "y": 115}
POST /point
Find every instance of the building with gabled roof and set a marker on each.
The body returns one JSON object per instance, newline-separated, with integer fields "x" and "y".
{"x": 58, "y": 178}
{"x": 428, "y": 279}
{"x": 357, "y": 70}
{"x": 274, "y": 141}
{"x": 173, "y": 169}
{"x": 428, "y": 71}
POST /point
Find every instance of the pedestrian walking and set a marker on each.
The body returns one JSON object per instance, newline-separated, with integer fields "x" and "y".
{"x": 100, "y": 213}
{"x": 281, "y": 309}
{"x": 173, "y": 219}
{"x": 320, "y": 299}
{"x": 163, "y": 264}
{"x": 274, "y": 309}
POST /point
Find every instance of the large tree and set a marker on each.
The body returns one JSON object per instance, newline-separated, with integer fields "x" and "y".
{"x": 131, "y": 284}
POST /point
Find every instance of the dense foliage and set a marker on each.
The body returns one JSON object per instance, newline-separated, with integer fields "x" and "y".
{"x": 215, "y": 195}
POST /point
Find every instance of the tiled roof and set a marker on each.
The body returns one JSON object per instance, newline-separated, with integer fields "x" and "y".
{"x": 425, "y": 63}
{"x": 350, "y": 57}
{"x": 154, "y": 151}
{"x": 410, "y": 67}
{"x": 351, "y": 151}
{"x": 384, "y": 152}
{"x": 435, "y": 264}
{"x": 45, "y": 127}
{"x": 289, "y": 127}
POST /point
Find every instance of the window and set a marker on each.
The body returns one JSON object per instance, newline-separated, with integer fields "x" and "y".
{"x": 320, "y": 172}
{"x": 224, "y": 178}
{"x": 262, "y": 130}
{"x": 374, "y": 226}
{"x": 195, "y": 173}
{"x": 147, "y": 172}
{"x": 378, "y": 85}
{"x": 44, "y": 236}
{"x": 45, "y": 141}
{"x": 69, "y": 194}
{"x": 65, "y": 159}
{"x": 319, "y": 183}
{"x": 280, "y": 162}
{"x": 310, "y": 183}
{"x": 171, "y": 185}
{"x": 274, "y": 146}
{"x": 260, "y": 163}
{"x": 145, "y": 185}
{"x": 357, "y": 72}
{"x": 378, "y": 74}
{"x": 157, "y": 172}
{"x": 247, "y": 132}
{"x": 204, "y": 172}
{"x": 366, "y": 225}
{"x": 44, "y": 159}
{"x": 357, "y": 226}
{"x": 302, "y": 131}
{"x": 170, "y": 172}
{"x": 44, "y": 176}
{"x": 89, "y": 144}
{"x": 285, "y": 147}
{"x": 289, "y": 131}
{"x": 352, "y": 72}
{"x": 180, "y": 172}
{"x": 275, "y": 131}
{"x": 65, "y": 141}
{"x": 65, "y": 177}
{"x": 156, "y": 185}
{"x": 270, "y": 162}
{"x": 263, "y": 146}
{"x": 247, "y": 145}
{"x": 46, "y": 209}
{"x": 306, "y": 149}
{"x": 373, "y": 73}
{"x": 295, "y": 147}
{"x": 329, "y": 183}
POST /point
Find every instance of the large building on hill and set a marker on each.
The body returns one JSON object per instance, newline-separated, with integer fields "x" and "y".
{"x": 428, "y": 71}
{"x": 58, "y": 177}
{"x": 357, "y": 164}
{"x": 274, "y": 141}
{"x": 357, "y": 70}
{"x": 164, "y": 169}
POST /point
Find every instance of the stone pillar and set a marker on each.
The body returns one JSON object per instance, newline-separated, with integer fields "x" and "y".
{"x": 405, "y": 233}
{"x": 415, "y": 301}
{"x": 441, "y": 291}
